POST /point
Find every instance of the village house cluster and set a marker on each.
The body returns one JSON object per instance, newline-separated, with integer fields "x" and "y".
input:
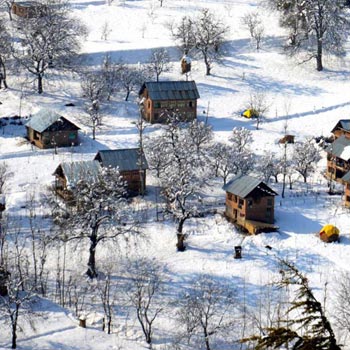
{"x": 250, "y": 203}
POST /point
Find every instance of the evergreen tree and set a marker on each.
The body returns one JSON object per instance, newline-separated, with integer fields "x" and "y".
{"x": 308, "y": 327}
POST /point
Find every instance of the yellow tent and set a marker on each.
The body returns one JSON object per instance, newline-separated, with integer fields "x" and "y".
{"x": 249, "y": 113}
{"x": 329, "y": 233}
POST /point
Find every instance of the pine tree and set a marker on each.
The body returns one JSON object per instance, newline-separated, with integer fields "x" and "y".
{"x": 309, "y": 328}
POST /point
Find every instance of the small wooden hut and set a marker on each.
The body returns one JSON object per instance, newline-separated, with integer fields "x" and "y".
{"x": 132, "y": 165}
{"x": 185, "y": 64}
{"x": 342, "y": 128}
{"x": 48, "y": 129}
{"x": 28, "y": 9}
{"x": 250, "y": 204}
{"x": 67, "y": 174}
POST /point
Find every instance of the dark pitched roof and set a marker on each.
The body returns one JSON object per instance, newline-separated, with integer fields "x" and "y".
{"x": 171, "y": 90}
{"x": 346, "y": 177}
{"x": 243, "y": 185}
{"x": 81, "y": 170}
{"x": 125, "y": 159}
{"x": 340, "y": 148}
{"x": 43, "y": 119}
{"x": 342, "y": 124}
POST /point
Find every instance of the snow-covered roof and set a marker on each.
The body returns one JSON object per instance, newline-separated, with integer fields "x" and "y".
{"x": 243, "y": 185}
{"x": 44, "y": 119}
{"x": 171, "y": 90}
{"x": 342, "y": 124}
{"x": 76, "y": 171}
{"x": 340, "y": 148}
{"x": 125, "y": 159}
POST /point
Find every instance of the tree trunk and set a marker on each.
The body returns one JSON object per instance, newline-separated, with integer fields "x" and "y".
{"x": 4, "y": 75}
{"x": 207, "y": 64}
{"x": 127, "y": 94}
{"x": 40, "y": 84}
{"x": 91, "y": 272}
{"x": 319, "y": 55}
{"x": 180, "y": 245}
{"x": 14, "y": 335}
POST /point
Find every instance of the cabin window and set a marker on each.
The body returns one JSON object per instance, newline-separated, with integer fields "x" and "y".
{"x": 71, "y": 136}
{"x": 250, "y": 203}
{"x": 190, "y": 104}
{"x": 172, "y": 105}
{"x": 181, "y": 104}
{"x": 156, "y": 104}
{"x": 269, "y": 202}
{"x": 235, "y": 199}
{"x": 164, "y": 104}
{"x": 229, "y": 196}
{"x": 268, "y": 213}
{"x": 240, "y": 203}
{"x": 36, "y": 135}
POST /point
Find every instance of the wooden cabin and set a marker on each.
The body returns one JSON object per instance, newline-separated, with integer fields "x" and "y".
{"x": 250, "y": 204}
{"x": 346, "y": 180}
{"x": 160, "y": 100}
{"x": 338, "y": 158}
{"x": 132, "y": 166}
{"x": 67, "y": 174}
{"x": 48, "y": 129}
{"x": 286, "y": 139}
{"x": 342, "y": 128}
{"x": 28, "y": 9}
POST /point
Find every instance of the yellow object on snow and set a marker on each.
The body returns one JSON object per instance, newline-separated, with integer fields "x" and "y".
{"x": 249, "y": 113}
{"x": 329, "y": 233}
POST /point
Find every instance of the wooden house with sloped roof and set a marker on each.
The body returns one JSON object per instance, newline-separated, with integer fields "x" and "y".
{"x": 132, "y": 165}
{"x": 67, "y": 175}
{"x": 28, "y": 9}
{"x": 48, "y": 129}
{"x": 250, "y": 204}
{"x": 338, "y": 158}
{"x": 342, "y": 128}
{"x": 160, "y": 100}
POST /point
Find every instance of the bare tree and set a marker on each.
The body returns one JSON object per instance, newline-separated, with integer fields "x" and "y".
{"x": 342, "y": 301}
{"x": 94, "y": 88}
{"x": 48, "y": 41}
{"x": 131, "y": 79}
{"x": 16, "y": 302}
{"x": 259, "y": 105}
{"x": 146, "y": 283}
{"x": 316, "y": 26}
{"x": 205, "y": 312}
{"x": 4, "y": 176}
{"x": 8, "y": 4}
{"x": 204, "y": 34}
{"x": 5, "y": 53}
{"x": 181, "y": 171}
{"x": 106, "y": 294}
{"x": 105, "y": 31}
{"x": 305, "y": 157}
{"x": 254, "y": 24}
{"x": 100, "y": 212}
{"x": 159, "y": 62}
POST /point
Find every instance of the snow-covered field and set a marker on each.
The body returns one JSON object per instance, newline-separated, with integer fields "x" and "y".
{"x": 311, "y": 101}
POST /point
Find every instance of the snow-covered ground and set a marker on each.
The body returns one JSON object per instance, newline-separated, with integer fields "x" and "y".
{"x": 310, "y": 102}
